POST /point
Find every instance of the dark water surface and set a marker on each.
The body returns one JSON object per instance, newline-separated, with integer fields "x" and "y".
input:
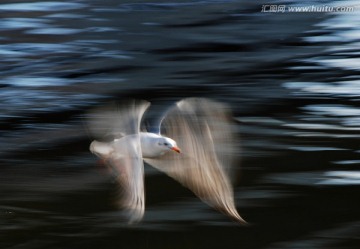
{"x": 292, "y": 79}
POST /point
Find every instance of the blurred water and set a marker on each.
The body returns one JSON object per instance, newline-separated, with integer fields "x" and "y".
{"x": 291, "y": 78}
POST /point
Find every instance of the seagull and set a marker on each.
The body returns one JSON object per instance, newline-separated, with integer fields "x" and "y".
{"x": 194, "y": 144}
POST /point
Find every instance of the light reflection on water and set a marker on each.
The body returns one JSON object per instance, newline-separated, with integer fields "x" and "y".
{"x": 47, "y": 6}
{"x": 21, "y": 23}
{"x": 53, "y": 31}
{"x": 328, "y": 178}
{"x": 35, "y": 81}
{"x": 343, "y": 31}
{"x": 333, "y": 110}
{"x": 340, "y": 89}
{"x": 291, "y": 80}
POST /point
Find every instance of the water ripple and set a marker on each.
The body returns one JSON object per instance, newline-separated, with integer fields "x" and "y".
{"x": 167, "y": 5}
{"x": 36, "y": 81}
{"x": 41, "y": 6}
{"x": 320, "y": 126}
{"x": 341, "y": 178}
{"x": 314, "y": 148}
{"x": 349, "y": 88}
{"x": 347, "y": 162}
{"x": 21, "y": 23}
{"x": 333, "y": 110}
{"x": 37, "y": 47}
{"x": 329, "y": 178}
{"x": 54, "y": 31}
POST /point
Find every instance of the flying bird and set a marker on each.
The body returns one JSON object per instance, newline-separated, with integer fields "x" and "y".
{"x": 194, "y": 144}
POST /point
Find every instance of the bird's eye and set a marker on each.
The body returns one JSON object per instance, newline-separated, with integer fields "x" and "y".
{"x": 166, "y": 144}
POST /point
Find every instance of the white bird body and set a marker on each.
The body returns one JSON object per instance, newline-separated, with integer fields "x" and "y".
{"x": 200, "y": 127}
{"x": 152, "y": 145}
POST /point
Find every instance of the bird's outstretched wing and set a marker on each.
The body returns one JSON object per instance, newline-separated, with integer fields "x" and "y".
{"x": 116, "y": 120}
{"x": 123, "y": 154}
{"x": 203, "y": 130}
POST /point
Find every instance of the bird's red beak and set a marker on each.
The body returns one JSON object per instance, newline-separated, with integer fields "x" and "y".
{"x": 176, "y": 149}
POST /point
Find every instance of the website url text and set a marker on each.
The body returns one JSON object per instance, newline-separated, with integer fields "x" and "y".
{"x": 311, "y": 8}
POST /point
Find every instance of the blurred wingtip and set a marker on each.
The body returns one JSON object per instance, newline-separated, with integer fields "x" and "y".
{"x": 134, "y": 218}
{"x": 235, "y": 216}
{"x": 241, "y": 221}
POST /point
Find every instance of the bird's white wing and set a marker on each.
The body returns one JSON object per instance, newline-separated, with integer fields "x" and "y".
{"x": 116, "y": 120}
{"x": 123, "y": 155}
{"x": 203, "y": 131}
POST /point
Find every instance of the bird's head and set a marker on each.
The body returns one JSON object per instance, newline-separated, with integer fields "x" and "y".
{"x": 168, "y": 144}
